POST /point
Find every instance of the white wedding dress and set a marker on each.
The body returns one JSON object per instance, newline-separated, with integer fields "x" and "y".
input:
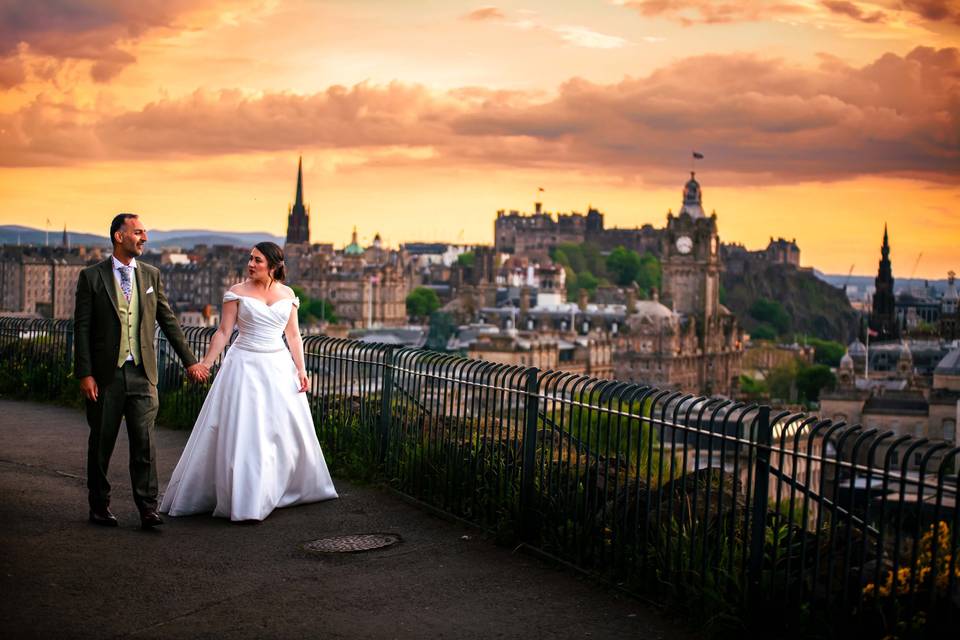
{"x": 253, "y": 448}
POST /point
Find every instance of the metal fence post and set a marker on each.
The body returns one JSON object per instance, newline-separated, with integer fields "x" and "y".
{"x": 386, "y": 394}
{"x": 761, "y": 482}
{"x": 68, "y": 360}
{"x": 529, "y": 460}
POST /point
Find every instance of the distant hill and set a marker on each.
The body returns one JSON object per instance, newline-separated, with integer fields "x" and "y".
{"x": 815, "y": 307}
{"x": 177, "y": 238}
{"x": 866, "y": 283}
{"x": 15, "y": 234}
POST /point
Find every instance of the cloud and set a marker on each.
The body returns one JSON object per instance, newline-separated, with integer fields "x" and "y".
{"x": 843, "y": 7}
{"x": 690, "y": 12}
{"x": 583, "y": 37}
{"x": 12, "y": 72}
{"x": 485, "y": 13}
{"x": 101, "y": 32}
{"x": 756, "y": 118}
{"x": 935, "y": 10}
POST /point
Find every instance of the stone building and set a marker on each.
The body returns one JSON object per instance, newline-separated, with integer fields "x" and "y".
{"x": 897, "y": 400}
{"x": 298, "y": 217}
{"x": 41, "y": 281}
{"x": 535, "y": 234}
{"x": 691, "y": 265}
{"x": 367, "y": 287}
{"x": 883, "y": 317}
{"x": 200, "y": 281}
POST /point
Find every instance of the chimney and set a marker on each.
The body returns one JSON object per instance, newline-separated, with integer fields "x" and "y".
{"x": 582, "y": 298}
{"x": 631, "y": 299}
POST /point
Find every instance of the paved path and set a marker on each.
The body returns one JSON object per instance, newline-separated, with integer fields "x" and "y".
{"x": 61, "y": 577}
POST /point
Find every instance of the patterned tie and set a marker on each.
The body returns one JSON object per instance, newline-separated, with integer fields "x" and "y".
{"x": 126, "y": 282}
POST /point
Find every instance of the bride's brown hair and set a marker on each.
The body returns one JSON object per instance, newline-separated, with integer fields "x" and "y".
{"x": 274, "y": 255}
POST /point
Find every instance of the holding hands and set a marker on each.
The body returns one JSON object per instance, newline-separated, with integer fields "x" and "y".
{"x": 198, "y": 372}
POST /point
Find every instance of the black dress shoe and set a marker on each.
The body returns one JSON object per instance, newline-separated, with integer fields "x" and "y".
{"x": 150, "y": 519}
{"x": 103, "y": 517}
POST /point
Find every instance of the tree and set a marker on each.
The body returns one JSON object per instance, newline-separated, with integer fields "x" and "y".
{"x": 466, "y": 259}
{"x": 442, "y": 328}
{"x": 771, "y": 312}
{"x": 782, "y": 382}
{"x": 648, "y": 276}
{"x": 763, "y": 332}
{"x": 827, "y": 352}
{"x": 313, "y": 310}
{"x": 623, "y": 265}
{"x": 813, "y": 379}
{"x": 421, "y": 302}
{"x": 752, "y": 388}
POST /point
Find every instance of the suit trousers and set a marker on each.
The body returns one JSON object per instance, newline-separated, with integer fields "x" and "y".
{"x": 128, "y": 395}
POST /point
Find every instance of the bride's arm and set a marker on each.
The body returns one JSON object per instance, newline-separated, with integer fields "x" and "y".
{"x": 220, "y": 339}
{"x": 295, "y": 341}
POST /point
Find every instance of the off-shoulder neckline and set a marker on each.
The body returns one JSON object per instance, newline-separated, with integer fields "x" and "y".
{"x": 264, "y": 302}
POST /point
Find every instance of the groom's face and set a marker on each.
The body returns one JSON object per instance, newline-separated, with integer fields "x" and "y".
{"x": 131, "y": 237}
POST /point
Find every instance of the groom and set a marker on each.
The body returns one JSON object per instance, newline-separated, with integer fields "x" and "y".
{"x": 118, "y": 301}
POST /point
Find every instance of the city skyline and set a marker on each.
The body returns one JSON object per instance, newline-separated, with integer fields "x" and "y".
{"x": 819, "y": 121}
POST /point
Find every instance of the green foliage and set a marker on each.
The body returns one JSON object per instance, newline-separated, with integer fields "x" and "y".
{"x": 442, "y": 328}
{"x": 812, "y": 379}
{"x": 649, "y": 275}
{"x": 587, "y": 269}
{"x": 421, "y": 302}
{"x": 827, "y": 352}
{"x": 752, "y": 388}
{"x": 313, "y": 310}
{"x": 623, "y": 265}
{"x": 797, "y": 381}
{"x": 467, "y": 259}
{"x": 763, "y": 332}
{"x": 771, "y": 312}
{"x": 782, "y": 382}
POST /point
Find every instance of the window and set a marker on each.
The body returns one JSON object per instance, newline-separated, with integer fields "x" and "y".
{"x": 949, "y": 430}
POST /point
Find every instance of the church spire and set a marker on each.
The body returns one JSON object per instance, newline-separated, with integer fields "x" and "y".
{"x": 299, "y": 201}
{"x": 298, "y": 219}
{"x": 883, "y": 317}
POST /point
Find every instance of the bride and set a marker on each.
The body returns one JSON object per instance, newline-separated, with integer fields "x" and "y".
{"x": 253, "y": 448}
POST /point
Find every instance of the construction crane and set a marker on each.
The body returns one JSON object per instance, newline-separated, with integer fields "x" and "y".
{"x": 847, "y": 280}
{"x": 914, "y": 270}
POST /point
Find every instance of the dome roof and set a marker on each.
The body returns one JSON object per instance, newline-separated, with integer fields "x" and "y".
{"x": 846, "y": 362}
{"x": 652, "y": 309}
{"x": 857, "y": 348}
{"x": 353, "y": 249}
{"x": 692, "y": 198}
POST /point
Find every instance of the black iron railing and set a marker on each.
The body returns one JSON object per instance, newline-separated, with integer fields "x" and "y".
{"x": 774, "y": 519}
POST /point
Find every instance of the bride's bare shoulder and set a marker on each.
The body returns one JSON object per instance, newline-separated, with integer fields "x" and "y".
{"x": 240, "y": 287}
{"x": 287, "y": 291}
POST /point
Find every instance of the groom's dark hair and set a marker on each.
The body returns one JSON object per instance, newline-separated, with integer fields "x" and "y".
{"x": 274, "y": 255}
{"x": 118, "y": 221}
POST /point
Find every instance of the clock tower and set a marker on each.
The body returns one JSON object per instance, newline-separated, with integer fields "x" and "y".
{"x": 690, "y": 259}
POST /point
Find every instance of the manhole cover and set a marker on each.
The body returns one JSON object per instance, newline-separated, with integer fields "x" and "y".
{"x": 353, "y": 543}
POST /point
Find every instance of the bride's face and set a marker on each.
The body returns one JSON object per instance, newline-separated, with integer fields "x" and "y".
{"x": 257, "y": 266}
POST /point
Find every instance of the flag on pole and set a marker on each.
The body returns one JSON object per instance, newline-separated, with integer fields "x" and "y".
{"x": 539, "y": 188}
{"x": 697, "y": 155}
{"x": 872, "y": 333}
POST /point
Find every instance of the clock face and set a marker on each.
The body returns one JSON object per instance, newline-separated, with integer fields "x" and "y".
{"x": 684, "y": 244}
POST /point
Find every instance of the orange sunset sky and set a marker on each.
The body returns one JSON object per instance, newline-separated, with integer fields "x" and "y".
{"x": 819, "y": 120}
